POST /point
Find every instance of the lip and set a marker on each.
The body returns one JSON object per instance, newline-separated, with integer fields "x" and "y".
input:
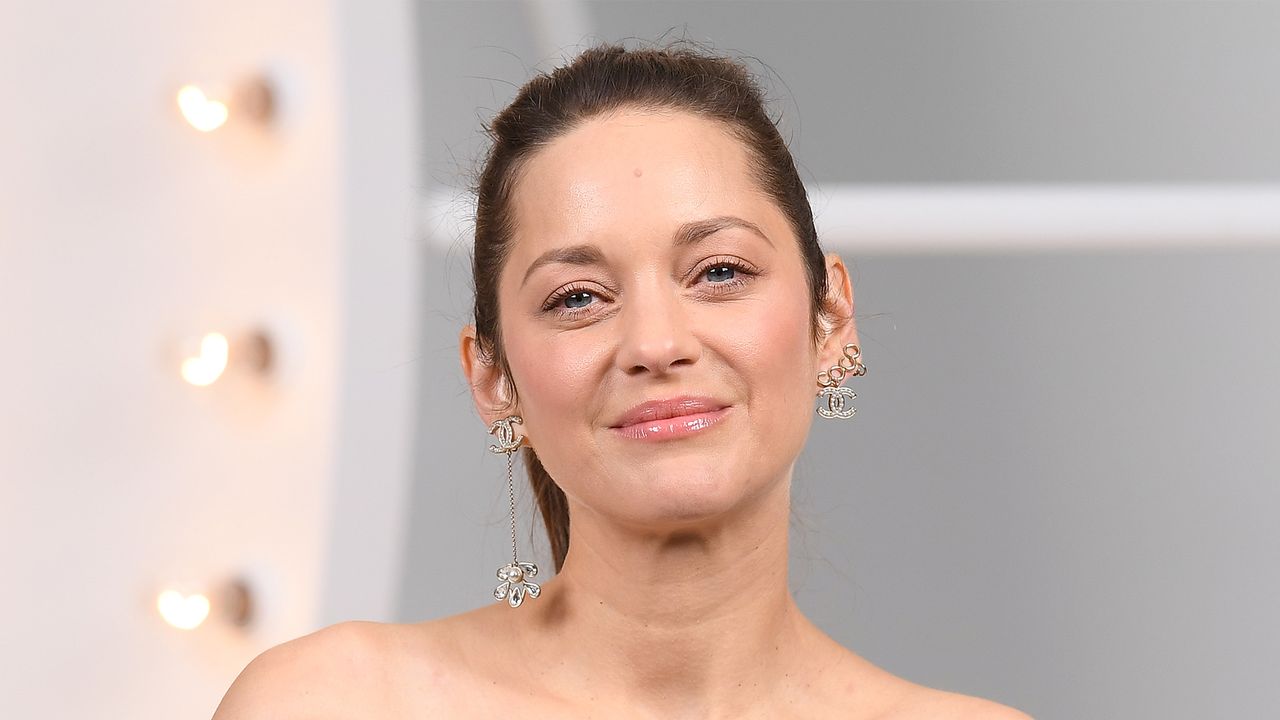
{"x": 670, "y": 418}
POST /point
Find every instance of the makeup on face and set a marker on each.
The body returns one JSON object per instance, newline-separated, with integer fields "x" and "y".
{"x": 656, "y": 322}
{"x": 671, "y": 419}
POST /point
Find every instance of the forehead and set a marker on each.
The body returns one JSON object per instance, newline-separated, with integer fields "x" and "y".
{"x": 635, "y": 173}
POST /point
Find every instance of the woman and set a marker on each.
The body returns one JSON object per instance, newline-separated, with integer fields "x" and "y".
{"x": 652, "y": 304}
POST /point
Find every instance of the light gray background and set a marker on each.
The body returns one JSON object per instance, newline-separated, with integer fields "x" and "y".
{"x": 1061, "y": 486}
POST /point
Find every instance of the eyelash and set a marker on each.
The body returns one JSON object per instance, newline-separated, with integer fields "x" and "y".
{"x": 742, "y": 273}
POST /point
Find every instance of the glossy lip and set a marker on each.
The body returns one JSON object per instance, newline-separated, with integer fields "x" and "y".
{"x": 670, "y": 418}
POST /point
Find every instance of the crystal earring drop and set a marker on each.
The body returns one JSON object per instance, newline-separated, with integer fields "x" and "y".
{"x": 515, "y": 576}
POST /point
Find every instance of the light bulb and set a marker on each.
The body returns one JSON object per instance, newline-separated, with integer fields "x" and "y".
{"x": 209, "y": 365}
{"x": 185, "y": 608}
{"x": 185, "y": 612}
{"x": 251, "y": 99}
{"x": 213, "y": 356}
{"x": 203, "y": 113}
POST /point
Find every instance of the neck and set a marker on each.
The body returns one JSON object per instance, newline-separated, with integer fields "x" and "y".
{"x": 698, "y": 621}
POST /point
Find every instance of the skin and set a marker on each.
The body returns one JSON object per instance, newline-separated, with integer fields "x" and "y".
{"x": 673, "y": 599}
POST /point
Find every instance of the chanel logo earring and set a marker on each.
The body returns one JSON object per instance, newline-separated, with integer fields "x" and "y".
{"x": 515, "y": 575}
{"x": 834, "y": 393}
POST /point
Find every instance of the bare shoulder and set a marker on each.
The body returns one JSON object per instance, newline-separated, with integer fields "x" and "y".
{"x": 923, "y": 703}
{"x": 320, "y": 675}
{"x": 878, "y": 694}
{"x": 360, "y": 668}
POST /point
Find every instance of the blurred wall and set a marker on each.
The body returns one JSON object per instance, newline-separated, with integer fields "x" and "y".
{"x": 1059, "y": 488}
{"x": 927, "y": 91}
{"x": 124, "y": 231}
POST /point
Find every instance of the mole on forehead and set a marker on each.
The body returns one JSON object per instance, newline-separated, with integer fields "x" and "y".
{"x": 638, "y": 172}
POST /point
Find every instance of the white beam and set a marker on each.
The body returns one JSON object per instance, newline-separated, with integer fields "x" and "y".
{"x": 892, "y": 219}
{"x": 977, "y": 218}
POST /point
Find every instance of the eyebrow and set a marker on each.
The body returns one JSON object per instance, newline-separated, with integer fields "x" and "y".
{"x": 687, "y": 234}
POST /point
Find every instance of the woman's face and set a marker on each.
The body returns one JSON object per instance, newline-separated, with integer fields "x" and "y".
{"x": 647, "y": 266}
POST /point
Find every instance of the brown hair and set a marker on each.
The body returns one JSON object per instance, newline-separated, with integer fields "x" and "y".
{"x": 602, "y": 80}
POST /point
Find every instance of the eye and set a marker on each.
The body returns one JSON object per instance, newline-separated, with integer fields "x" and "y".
{"x": 718, "y": 275}
{"x": 725, "y": 274}
{"x": 570, "y": 301}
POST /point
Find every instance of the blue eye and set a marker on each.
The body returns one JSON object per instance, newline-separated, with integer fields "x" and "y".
{"x": 577, "y": 300}
{"x": 567, "y": 301}
{"x": 721, "y": 273}
{"x": 719, "y": 276}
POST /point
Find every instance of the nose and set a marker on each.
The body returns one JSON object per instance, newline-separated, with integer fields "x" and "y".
{"x": 656, "y": 334}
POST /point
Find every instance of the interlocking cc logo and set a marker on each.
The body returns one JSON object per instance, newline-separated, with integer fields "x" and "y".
{"x": 836, "y": 397}
{"x": 505, "y": 432}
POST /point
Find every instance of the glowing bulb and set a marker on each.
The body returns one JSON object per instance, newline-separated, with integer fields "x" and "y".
{"x": 204, "y": 114}
{"x": 208, "y": 365}
{"x": 182, "y": 611}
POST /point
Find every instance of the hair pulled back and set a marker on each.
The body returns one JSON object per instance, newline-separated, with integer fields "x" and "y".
{"x": 602, "y": 80}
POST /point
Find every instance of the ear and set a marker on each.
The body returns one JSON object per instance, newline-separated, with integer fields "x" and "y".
{"x": 489, "y": 390}
{"x": 839, "y": 328}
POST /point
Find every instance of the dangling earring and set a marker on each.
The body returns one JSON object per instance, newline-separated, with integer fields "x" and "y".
{"x": 835, "y": 393}
{"x": 514, "y": 576}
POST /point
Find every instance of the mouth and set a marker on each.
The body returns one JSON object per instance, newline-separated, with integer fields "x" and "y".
{"x": 671, "y": 418}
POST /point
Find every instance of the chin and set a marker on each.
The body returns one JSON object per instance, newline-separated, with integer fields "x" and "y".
{"x": 684, "y": 498}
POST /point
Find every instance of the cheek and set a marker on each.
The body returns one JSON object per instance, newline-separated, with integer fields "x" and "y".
{"x": 772, "y": 353}
{"x": 555, "y": 378}
{"x": 773, "y": 347}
